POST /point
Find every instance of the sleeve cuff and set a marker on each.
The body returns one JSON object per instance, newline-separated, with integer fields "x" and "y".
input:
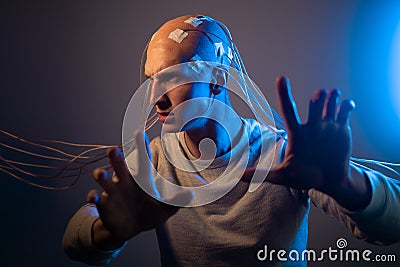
{"x": 377, "y": 203}
{"x": 86, "y": 239}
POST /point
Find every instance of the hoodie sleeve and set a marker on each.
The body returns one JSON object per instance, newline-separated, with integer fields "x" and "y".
{"x": 77, "y": 240}
{"x": 379, "y": 222}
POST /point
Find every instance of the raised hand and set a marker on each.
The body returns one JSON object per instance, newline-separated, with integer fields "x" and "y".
{"x": 317, "y": 154}
{"x": 125, "y": 209}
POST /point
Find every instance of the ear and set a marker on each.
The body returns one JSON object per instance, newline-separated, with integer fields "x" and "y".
{"x": 219, "y": 80}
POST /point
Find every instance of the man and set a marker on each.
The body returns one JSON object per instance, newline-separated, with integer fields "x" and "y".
{"x": 313, "y": 163}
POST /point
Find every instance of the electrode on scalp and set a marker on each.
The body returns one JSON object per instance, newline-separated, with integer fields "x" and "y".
{"x": 178, "y": 35}
{"x": 195, "y": 22}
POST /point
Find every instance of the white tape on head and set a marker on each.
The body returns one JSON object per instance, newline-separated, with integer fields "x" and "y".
{"x": 195, "y": 65}
{"x": 196, "y": 58}
{"x": 193, "y": 21}
{"x": 230, "y": 55}
{"x": 219, "y": 49}
{"x": 178, "y": 35}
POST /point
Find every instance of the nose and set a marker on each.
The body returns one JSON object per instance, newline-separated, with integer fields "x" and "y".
{"x": 157, "y": 89}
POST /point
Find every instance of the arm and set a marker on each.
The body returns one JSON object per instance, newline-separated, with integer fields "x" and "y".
{"x": 378, "y": 222}
{"x": 78, "y": 241}
{"x": 99, "y": 230}
{"x": 317, "y": 159}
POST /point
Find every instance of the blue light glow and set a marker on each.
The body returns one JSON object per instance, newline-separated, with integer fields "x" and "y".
{"x": 375, "y": 75}
{"x": 395, "y": 70}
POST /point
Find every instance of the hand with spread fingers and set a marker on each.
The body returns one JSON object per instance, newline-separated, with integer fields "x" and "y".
{"x": 317, "y": 154}
{"x": 125, "y": 209}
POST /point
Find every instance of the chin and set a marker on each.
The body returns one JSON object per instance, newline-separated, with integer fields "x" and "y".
{"x": 172, "y": 126}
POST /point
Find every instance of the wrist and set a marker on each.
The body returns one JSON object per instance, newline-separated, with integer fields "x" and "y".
{"x": 352, "y": 192}
{"x": 103, "y": 239}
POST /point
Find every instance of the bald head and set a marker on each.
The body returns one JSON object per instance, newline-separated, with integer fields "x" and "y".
{"x": 187, "y": 38}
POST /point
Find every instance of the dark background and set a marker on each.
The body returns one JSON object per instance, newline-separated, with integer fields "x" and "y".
{"x": 69, "y": 68}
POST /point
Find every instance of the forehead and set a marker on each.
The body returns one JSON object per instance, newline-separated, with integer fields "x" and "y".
{"x": 164, "y": 55}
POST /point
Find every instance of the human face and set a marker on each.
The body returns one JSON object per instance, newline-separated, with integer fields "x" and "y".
{"x": 175, "y": 105}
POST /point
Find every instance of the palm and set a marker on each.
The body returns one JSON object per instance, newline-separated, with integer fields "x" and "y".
{"x": 318, "y": 152}
{"x": 124, "y": 208}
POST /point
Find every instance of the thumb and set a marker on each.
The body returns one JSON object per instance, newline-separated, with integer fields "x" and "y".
{"x": 277, "y": 175}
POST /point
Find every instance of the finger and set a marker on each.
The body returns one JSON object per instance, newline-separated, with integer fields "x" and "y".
{"x": 344, "y": 112}
{"x": 316, "y": 106}
{"x": 95, "y": 197}
{"x": 145, "y": 167}
{"x": 280, "y": 176}
{"x": 144, "y": 152}
{"x": 288, "y": 106}
{"x": 117, "y": 161}
{"x": 101, "y": 177}
{"x": 331, "y": 105}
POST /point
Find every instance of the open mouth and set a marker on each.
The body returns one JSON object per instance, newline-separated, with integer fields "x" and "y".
{"x": 162, "y": 116}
